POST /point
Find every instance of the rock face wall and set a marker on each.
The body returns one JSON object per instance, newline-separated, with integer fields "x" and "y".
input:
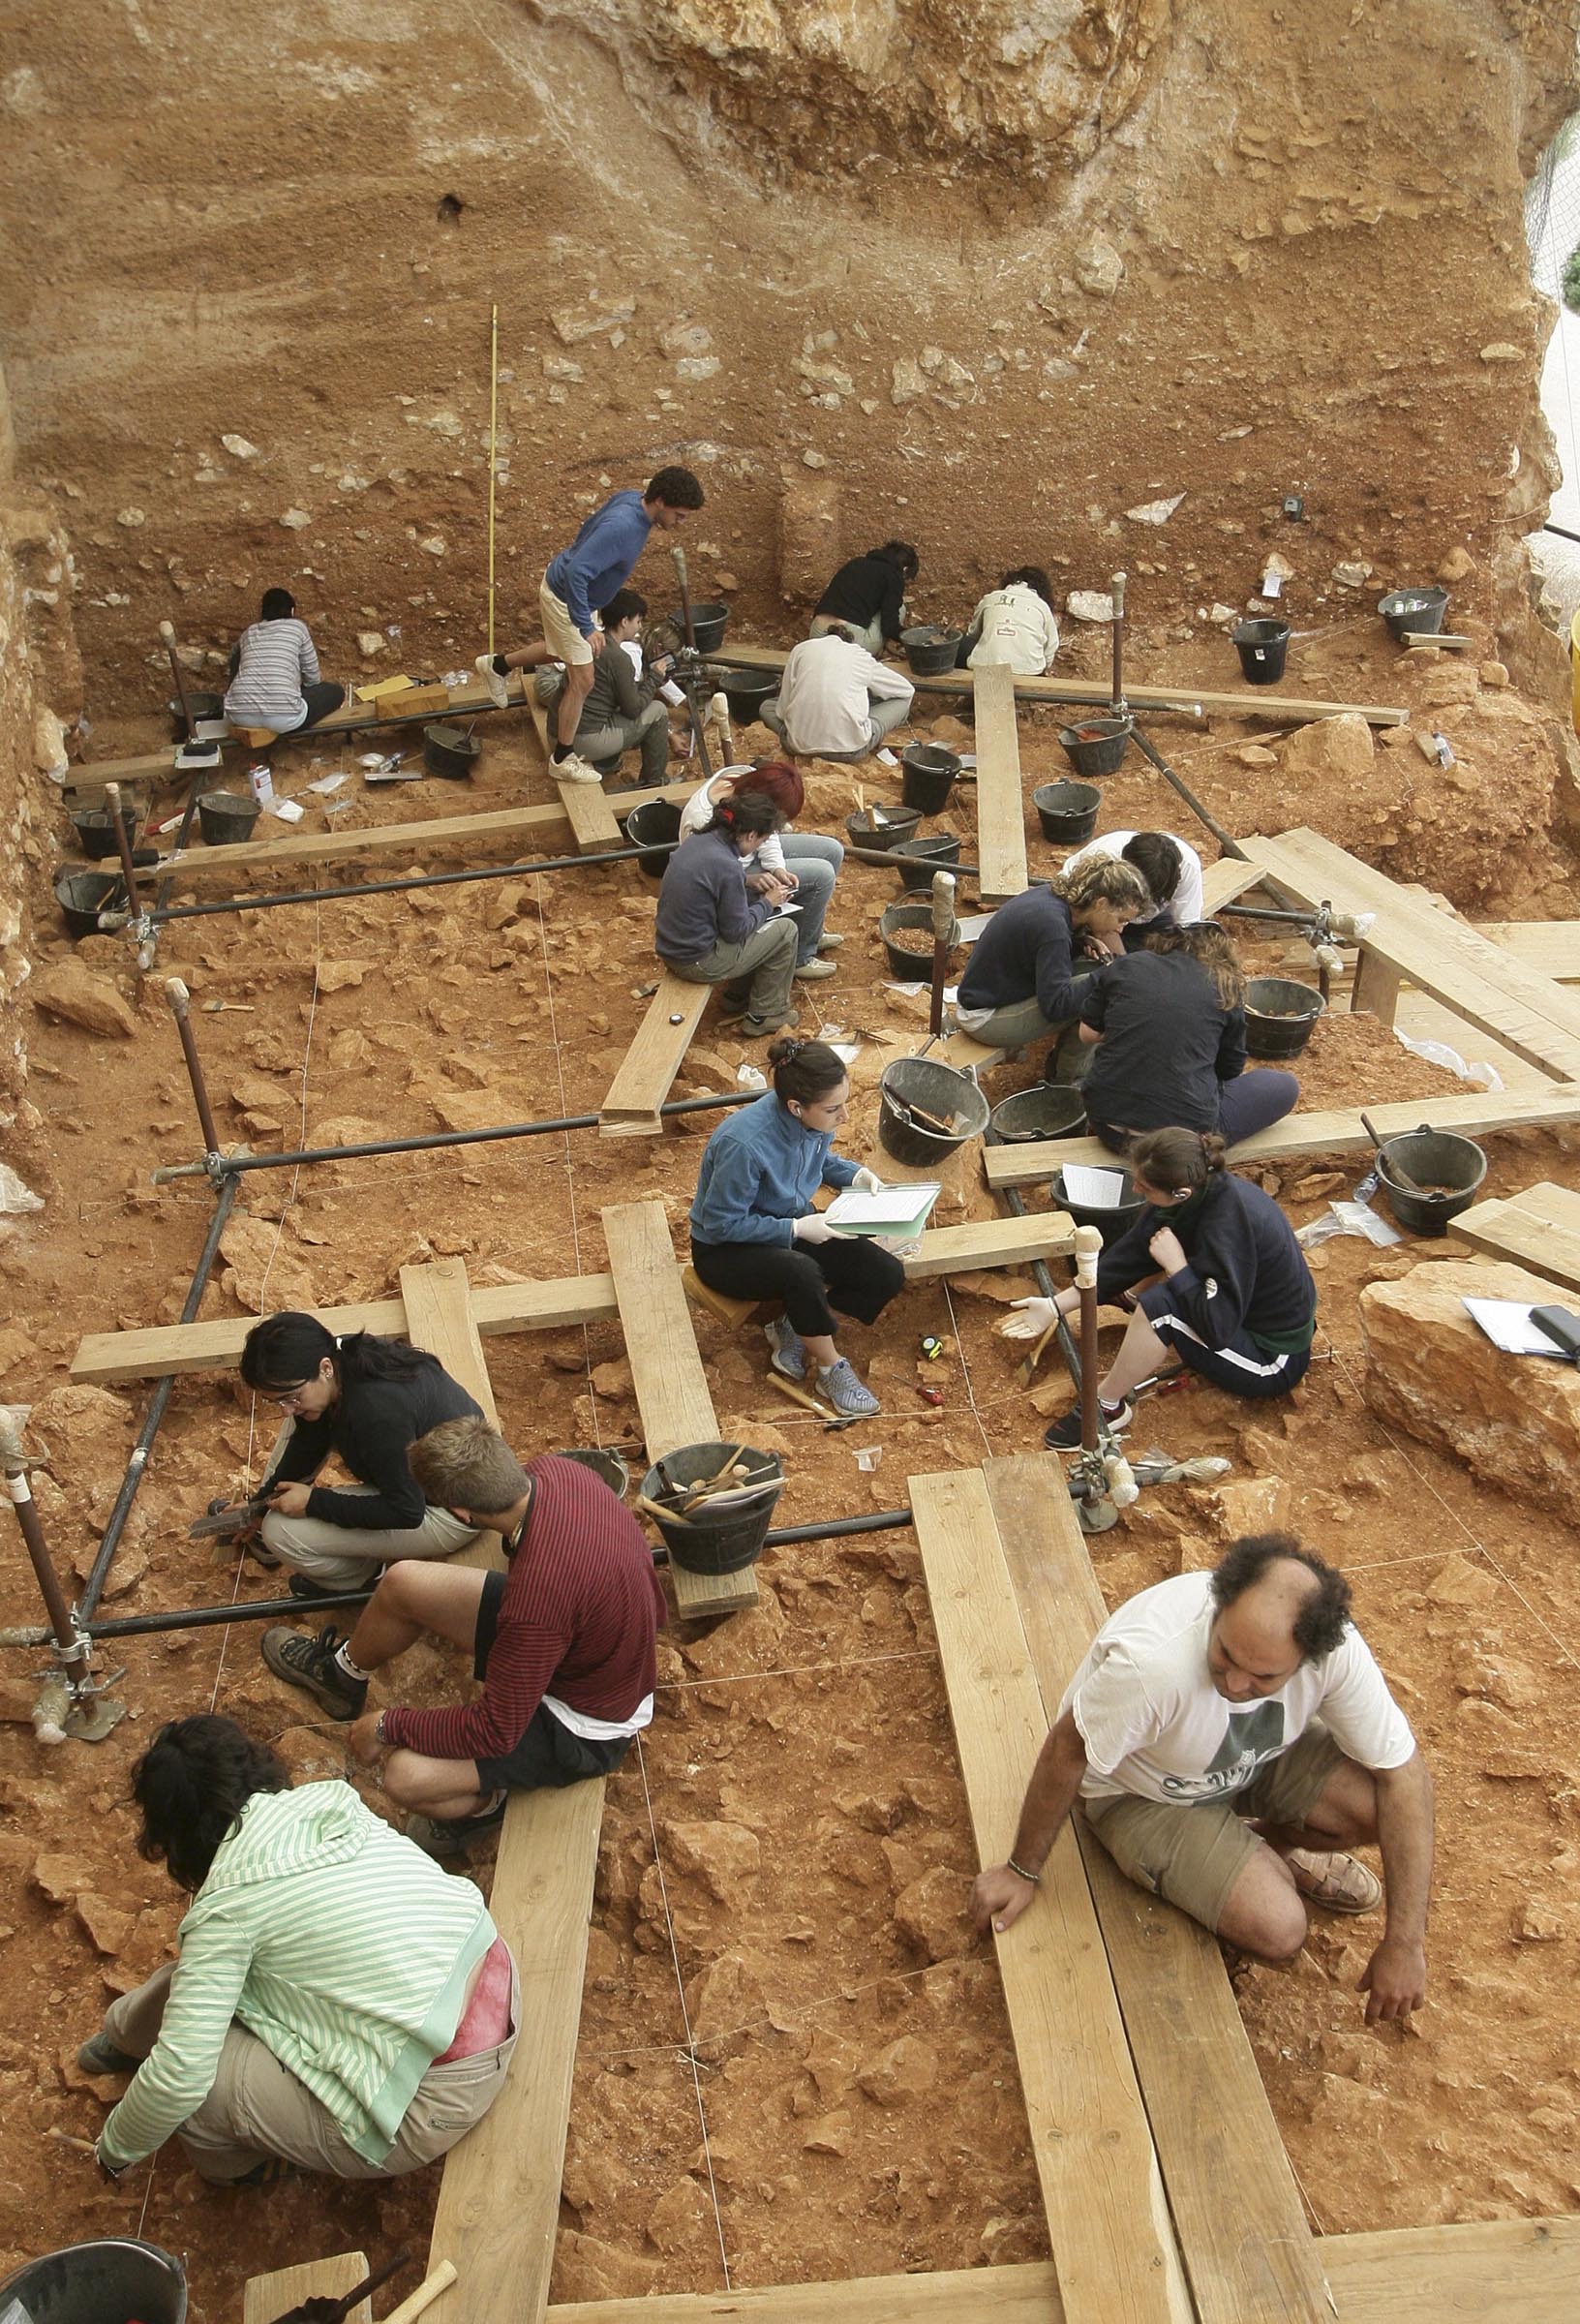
{"x": 988, "y": 275}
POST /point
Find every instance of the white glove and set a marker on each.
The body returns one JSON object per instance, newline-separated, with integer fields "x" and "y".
{"x": 866, "y": 1181}
{"x": 813, "y": 1228}
{"x": 1034, "y": 1318}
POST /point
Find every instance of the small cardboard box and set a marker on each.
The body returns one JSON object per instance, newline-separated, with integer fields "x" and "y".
{"x": 416, "y": 702}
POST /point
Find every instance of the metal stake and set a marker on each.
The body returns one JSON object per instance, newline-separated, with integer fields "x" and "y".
{"x": 180, "y": 1000}
{"x": 71, "y": 1704}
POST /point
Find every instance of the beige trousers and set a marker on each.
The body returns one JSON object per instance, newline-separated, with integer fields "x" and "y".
{"x": 256, "y": 2108}
{"x": 342, "y": 1557}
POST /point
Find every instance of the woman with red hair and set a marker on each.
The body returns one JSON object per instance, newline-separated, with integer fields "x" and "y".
{"x": 790, "y": 866}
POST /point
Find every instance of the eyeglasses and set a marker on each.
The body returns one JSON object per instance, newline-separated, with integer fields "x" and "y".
{"x": 288, "y": 1399}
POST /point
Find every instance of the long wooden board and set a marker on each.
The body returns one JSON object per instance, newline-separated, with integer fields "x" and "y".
{"x": 646, "y": 1071}
{"x": 1113, "y": 2250}
{"x": 1483, "y": 2272}
{"x": 439, "y": 1317}
{"x": 992, "y": 1243}
{"x": 1001, "y": 809}
{"x": 1482, "y": 1113}
{"x": 1289, "y": 710}
{"x": 1242, "y": 2230}
{"x": 291, "y": 850}
{"x": 1549, "y": 947}
{"x": 268, "y": 2297}
{"x": 672, "y": 1393}
{"x": 1025, "y": 2292}
{"x": 587, "y": 810}
{"x": 1432, "y": 950}
{"x": 1538, "y": 1227}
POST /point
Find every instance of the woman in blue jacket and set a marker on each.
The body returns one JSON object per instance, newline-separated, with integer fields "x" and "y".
{"x": 755, "y": 1235}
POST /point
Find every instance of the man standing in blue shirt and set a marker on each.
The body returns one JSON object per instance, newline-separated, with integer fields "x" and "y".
{"x": 598, "y": 562}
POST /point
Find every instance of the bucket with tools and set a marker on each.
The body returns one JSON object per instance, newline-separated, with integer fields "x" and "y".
{"x": 927, "y": 1110}
{"x": 712, "y": 1504}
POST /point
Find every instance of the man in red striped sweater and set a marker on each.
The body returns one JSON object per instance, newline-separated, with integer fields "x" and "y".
{"x": 564, "y": 1642}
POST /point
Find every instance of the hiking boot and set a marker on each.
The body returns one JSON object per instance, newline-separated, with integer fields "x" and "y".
{"x": 1063, "y": 1435}
{"x": 808, "y": 971}
{"x": 267, "y": 2173}
{"x": 304, "y": 1588}
{"x": 573, "y": 769}
{"x": 447, "y": 1836}
{"x": 789, "y": 1351}
{"x": 850, "y": 1396}
{"x": 760, "y": 1028}
{"x": 100, "y": 2056}
{"x": 1338, "y": 1883}
{"x": 490, "y": 668}
{"x": 309, "y": 1663}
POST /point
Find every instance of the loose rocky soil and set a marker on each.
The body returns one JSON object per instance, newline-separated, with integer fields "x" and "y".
{"x": 842, "y": 2037}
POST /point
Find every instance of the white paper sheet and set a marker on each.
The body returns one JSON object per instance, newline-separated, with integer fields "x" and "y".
{"x": 895, "y": 1207}
{"x": 1094, "y": 1189}
{"x": 1507, "y": 1323}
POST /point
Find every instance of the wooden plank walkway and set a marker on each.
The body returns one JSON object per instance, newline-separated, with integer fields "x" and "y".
{"x": 1242, "y": 2229}
{"x": 672, "y": 1393}
{"x": 268, "y": 2297}
{"x": 294, "y": 849}
{"x": 1412, "y": 942}
{"x": 1484, "y": 1112}
{"x": 1113, "y": 2250}
{"x": 1538, "y": 1227}
{"x": 587, "y": 810}
{"x": 1549, "y": 947}
{"x": 1001, "y": 808}
{"x": 648, "y": 1070}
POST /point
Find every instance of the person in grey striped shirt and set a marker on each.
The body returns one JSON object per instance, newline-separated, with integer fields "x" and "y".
{"x": 274, "y": 672}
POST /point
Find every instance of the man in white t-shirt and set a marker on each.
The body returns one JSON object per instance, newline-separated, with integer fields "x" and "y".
{"x": 1171, "y": 868}
{"x": 836, "y": 700}
{"x": 1227, "y": 1733}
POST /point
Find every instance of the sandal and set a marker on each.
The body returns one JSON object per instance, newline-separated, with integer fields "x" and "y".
{"x": 1340, "y": 1883}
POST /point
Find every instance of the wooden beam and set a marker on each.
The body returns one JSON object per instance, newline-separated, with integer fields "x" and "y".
{"x": 439, "y": 1317}
{"x": 671, "y": 1394}
{"x": 587, "y": 810}
{"x": 1025, "y": 2292}
{"x": 1113, "y": 2250}
{"x": 1001, "y": 810}
{"x": 292, "y": 851}
{"x": 648, "y": 1070}
{"x": 1525, "y": 2270}
{"x": 992, "y": 1243}
{"x": 1224, "y": 881}
{"x": 1483, "y": 1113}
{"x": 496, "y": 1308}
{"x": 1237, "y": 2208}
{"x": 1538, "y": 1227}
{"x": 268, "y": 2297}
{"x": 1551, "y": 947}
{"x": 1289, "y": 710}
{"x": 1433, "y": 950}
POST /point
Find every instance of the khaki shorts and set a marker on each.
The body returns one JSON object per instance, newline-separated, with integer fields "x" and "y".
{"x": 1193, "y": 1855}
{"x": 563, "y": 639}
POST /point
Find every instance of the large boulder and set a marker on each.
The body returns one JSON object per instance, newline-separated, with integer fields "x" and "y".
{"x": 69, "y": 990}
{"x": 1333, "y": 749}
{"x": 1432, "y": 1371}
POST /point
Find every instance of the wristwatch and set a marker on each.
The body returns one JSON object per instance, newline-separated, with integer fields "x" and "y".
{"x": 378, "y": 1731}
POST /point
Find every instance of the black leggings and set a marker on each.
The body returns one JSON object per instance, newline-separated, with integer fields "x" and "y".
{"x": 851, "y": 1273}
{"x": 321, "y": 698}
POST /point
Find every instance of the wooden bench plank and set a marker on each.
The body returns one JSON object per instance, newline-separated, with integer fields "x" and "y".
{"x": 1527, "y": 2270}
{"x": 291, "y": 850}
{"x": 1224, "y": 881}
{"x": 1484, "y": 1112}
{"x": 1001, "y": 812}
{"x": 992, "y": 1243}
{"x": 1247, "y": 2249}
{"x": 587, "y": 810}
{"x": 1025, "y": 2292}
{"x": 671, "y": 1394}
{"x": 496, "y": 1308}
{"x": 1538, "y": 1229}
{"x": 438, "y": 1302}
{"x": 268, "y": 2297}
{"x": 1549, "y": 947}
{"x": 1287, "y": 710}
{"x": 1113, "y": 2248}
{"x": 1436, "y": 951}
{"x": 648, "y": 1070}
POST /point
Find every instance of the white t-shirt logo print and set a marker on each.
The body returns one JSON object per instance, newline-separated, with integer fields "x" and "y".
{"x": 1249, "y": 1738}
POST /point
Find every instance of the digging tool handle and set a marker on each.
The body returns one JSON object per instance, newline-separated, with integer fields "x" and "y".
{"x": 412, "y": 2308}
{"x": 1395, "y": 1171}
{"x": 123, "y": 842}
{"x": 1027, "y": 1373}
{"x": 322, "y": 2311}
{"x": 943, "y": 932}
{"x": 166, "y": 631}
{"x": 679, "y": 555}
{"x": 1117, "y": 589}
{"x": 1563, "y": 1328}
{"x": 180, "y": 1000}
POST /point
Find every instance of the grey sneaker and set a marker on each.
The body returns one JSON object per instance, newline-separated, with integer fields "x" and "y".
{"x": 443, "y": 1837}
{"x": 309, "y": 1663}
{"x": 573, "y": 769}
{"x": 495, "y": 681}
{"x": 810, "y": 971}
{"x": 850, "y": 1397}
{"x": 789, "y": 1352}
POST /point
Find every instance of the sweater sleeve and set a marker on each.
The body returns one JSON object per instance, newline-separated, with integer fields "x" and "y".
{"x": 838, "y": 1170}
{"x": 520, "y": 1663}
{"x": 1056, "y": 995}
{"x": 737, "y": 916}
{"x": 1126, "y": 1259}
{"x": 894, "y": 598}
{"x": 629, "y": 699}
{"x": 306, "y": 1449}
{"x": 1230, "y": 1062}
{"x": 307, "y": 655}
{"x": 178, "y": 2073}
{"x": 1094, "y": 1006}
{"x": 374, "y": 1444}
{"x": 730, "y": 1202}
{"x": 883, "y": 683}
{"x": 1214, "y": 1300}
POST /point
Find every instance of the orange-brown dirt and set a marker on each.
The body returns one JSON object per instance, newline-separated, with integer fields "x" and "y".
{"x": 853, "y": 2065}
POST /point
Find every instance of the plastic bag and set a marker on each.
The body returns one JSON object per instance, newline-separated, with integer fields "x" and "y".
{"x": 15, "y": 1197}
{"x": 1438, "y": 1053}
{"x": 1350, "y": 1217}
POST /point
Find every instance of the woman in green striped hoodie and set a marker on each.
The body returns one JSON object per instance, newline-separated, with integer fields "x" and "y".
{"x": 339, "y": 2004}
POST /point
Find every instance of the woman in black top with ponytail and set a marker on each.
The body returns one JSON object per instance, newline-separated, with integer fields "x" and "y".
{"x": 364, "y": 1399}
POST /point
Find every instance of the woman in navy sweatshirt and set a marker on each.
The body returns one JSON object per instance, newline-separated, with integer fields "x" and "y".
{"x": 1021, "y": 981}
{"x": 755, "y": 1235}
{"x": 1228, "y": 1286}
{"x": 710, "y": 931}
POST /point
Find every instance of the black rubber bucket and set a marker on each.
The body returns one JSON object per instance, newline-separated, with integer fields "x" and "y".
{"x": 1067, "y": 811}
{"x": 1097, "y": 746}
{"x": 913, "y": 960}
{"x": 930, "y": 651}
{"x": 1111, "y": 1224}
{"x": 449, "y": 752}
{"x": 1435, "y": 1159}
{"x": 732, "y": 1537}
{"x": 227, "y": 817}
{"x": 747, "y": 690}
{"x": 608, "y": 1466}
{"x": 882, "y": 827}
{"x": 83, "y": 895}
{"x": 1279, "y": 1015}
{"x": 116, "y": 2282}
{"x": 709, "y": 624}
{"x": 1045, "y": 1111}
{"x": 203, "y": 706}
{"x": 1262, "y": 648}
{"x": 655, "y": 828}
{"x": 95, "y": 828}
{"x": 941, "y": 1092}
{"x": 927, "y": 777}
{"x": 926, "y": 857}
{"x": 1414, "y": 612}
